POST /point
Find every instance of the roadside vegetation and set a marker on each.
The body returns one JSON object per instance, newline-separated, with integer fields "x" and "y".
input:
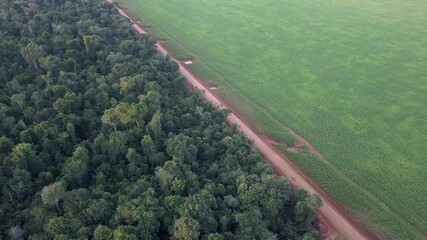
{"x": 349, "y": 76}
{"x": 101, "y": 139}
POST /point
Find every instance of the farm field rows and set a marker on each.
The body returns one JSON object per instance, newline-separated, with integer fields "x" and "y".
{"x": 350, "y": 76}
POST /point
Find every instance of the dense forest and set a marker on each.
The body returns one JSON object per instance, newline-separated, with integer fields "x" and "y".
{"x": 101, "y": 139}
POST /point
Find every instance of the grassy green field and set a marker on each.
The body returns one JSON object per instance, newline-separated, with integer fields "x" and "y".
{"x": 349, "y": 75}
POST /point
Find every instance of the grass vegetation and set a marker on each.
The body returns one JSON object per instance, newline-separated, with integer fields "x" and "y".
{"x": 350, "y": 76}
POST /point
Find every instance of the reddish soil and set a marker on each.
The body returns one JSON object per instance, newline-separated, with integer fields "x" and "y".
{"x": 331, "y": 217}
{"x": 303, "y": 141}
{"x": 295, "y": 148}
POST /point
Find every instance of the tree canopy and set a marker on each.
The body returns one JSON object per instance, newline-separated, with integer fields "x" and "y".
{"x": 101, "y": 139}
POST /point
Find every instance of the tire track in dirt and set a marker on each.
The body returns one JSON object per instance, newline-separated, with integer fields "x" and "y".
{"x": 332, "y": 217}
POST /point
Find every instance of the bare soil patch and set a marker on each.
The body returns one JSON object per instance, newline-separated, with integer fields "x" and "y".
{"x": 269, "y": 140}
{"x": 303, "y": 141}
{"x": 296, "y": 147}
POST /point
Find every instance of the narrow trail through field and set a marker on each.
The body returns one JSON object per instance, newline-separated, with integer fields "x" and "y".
{"x": 332, "y": 217}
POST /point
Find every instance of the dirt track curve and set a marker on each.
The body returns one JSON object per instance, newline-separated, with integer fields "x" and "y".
{"x": 332, "y": 218}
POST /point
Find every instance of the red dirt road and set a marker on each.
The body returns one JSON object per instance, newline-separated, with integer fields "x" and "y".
{"x": 332, "y": 218}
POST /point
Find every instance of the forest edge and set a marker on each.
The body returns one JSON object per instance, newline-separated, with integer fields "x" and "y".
{"x": 331, "y": 217}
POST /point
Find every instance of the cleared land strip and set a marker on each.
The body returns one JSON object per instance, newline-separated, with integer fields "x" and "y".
{"x": 333, "y": 215}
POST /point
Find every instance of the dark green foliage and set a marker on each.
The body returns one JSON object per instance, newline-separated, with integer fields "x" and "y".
{"x": 101, "y": 139}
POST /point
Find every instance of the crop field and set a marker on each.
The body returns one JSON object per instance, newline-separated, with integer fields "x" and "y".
{"x": 350, "y": 76}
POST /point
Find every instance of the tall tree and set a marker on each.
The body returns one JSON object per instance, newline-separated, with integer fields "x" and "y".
{"x": 22, "y": 154}
{"x": 52, "y": 194}
{"x": 32, "y": 53}
{"x": 186, "y": 228}
{"x": 76, "y": 167}
{"x": 16, "y": 233}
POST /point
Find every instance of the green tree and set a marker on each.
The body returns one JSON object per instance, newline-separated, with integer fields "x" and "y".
{"x": 75, "y": 169}
{"x": 6, "y": 145}
{"x": 130, "y": 84}
{"x": 99, "y": 211}
{"x": 16, "y": 233}
{"x": 91, "y": 43}
{"x": 201, "y": 207}
{"x": 124, "y": 114}
{"x": 49, "y": 63}
{"x": 186, "y": 228}
{"x": 304, "y": 208}
{"x": 215, "y": 236}
{"x": 22, "y": 154}
{"x": 102, "y": 232}
{"x": 20, "y": 183}
{"x": 251, "y": 226}
{"x": 154, "y": 127}
{"x": 124, "y": 233}
{"x": 31, "y": 53}
{"x": 181, "y": 147}
{"x": 67, "y": 103}
{"x": 148, "y": 146}
{"x": 56, "y": 226}
{"x": 19, "y": 99}
{"x": 52, "y": 194}
{"x": 111, "y": 117}
{"x": 117, "y": 145}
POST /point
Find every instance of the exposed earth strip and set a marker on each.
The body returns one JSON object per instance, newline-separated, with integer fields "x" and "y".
{"x": 333, "y": 218}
